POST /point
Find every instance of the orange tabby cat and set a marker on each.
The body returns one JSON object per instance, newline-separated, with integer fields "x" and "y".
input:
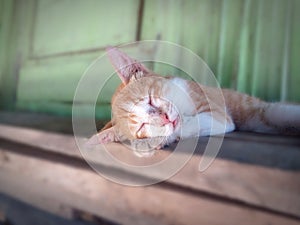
{"x": 156, "y": 110}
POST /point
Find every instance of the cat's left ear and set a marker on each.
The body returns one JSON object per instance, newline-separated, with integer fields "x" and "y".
{"x": 125, "y": 66}
{"x": 103, "y": 137}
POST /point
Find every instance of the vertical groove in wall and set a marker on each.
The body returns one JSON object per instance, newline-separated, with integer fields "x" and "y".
{"x": 243, "y": 53}
{"x": 222, "y": 39}
{"x": 139, "y": 20}
{"x": 257, "y": 50}
{"x": 286, "y": 54}
{"x": 276, "y": 48}
{"x": 6, "y": 55}
{"x": 32, "y": 29}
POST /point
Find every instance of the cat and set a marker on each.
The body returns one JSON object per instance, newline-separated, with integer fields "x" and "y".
{"x": 151, "y": 111}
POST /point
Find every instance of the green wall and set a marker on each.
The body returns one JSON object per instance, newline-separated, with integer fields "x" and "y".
{"x": 45, "y": 46}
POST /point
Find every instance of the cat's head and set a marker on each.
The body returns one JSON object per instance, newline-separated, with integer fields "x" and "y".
{"x": 140, "y": 107}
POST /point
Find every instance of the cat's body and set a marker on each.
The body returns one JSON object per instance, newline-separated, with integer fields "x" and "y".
{"x": 149, "y": 107}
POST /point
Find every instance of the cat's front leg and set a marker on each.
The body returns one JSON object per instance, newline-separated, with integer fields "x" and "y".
{"x": 206, "y": 124}
{"x": 214, "y": 124}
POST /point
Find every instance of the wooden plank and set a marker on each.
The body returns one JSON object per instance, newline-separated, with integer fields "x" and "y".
{"x": 58, "y": 108}
{"x": 37, "y": 121}
{"x": 17, "y": 212}
{"x": 31, "y": 137}
{"x": 258, "y": 185}
{"x": 62, "y": 124}
{"x": 157, "y": 204}
{"x": 2, "y": 215}
{"x": 264, "y": 138}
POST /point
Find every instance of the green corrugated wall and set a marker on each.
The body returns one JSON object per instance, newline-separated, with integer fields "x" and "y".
{"x": 251, "y": 45}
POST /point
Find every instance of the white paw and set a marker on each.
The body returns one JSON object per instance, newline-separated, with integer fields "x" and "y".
{"x": 146, "y": 147}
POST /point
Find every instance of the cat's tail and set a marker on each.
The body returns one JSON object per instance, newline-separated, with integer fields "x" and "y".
{"x": 252, "y": 114}
{"x": 281, "y": 118}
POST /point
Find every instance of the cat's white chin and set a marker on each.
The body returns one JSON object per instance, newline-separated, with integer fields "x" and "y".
{"x": 169, "y": 129}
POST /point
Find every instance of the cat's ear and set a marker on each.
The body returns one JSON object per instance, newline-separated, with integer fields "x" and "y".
{"x": 125, "y": 66}
{"x": 103, "y": 137}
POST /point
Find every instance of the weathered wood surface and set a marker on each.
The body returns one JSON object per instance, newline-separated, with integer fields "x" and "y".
{"x": 16, "y": 212}
{"x": 59, "y": 186}
{"x": 262, "y": 174}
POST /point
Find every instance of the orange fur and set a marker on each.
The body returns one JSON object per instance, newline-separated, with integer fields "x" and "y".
{"x": 148, "y": 106}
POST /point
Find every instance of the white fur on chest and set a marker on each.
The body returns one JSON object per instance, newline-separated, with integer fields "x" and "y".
{"x": 177, "y": 93}
{"x": 201, "y": 124}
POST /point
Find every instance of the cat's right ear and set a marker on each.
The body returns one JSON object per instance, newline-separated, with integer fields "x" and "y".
{"x": 103, "y": 137}
{"x": 125, "y": 66}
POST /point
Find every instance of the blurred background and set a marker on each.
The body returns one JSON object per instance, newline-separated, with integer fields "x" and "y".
{"x": 45, "y": 45}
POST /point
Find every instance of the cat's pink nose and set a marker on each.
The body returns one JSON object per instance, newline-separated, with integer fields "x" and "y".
{"x": 164, "y": 118}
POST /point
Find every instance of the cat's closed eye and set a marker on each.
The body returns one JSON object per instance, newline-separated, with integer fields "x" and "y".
{"x": 141, "y": 132}
{"x": 152, "y": 110}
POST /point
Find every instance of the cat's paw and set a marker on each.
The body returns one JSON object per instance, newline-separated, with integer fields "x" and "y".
{"x": 147, "y": 146}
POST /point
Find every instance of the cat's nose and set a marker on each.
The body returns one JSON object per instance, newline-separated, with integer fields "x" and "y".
{"x": 164, "y": 118}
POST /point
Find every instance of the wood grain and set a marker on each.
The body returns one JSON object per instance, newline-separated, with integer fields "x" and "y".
{"x": 259, "y": 186}
{"x": 85, "y": 190}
